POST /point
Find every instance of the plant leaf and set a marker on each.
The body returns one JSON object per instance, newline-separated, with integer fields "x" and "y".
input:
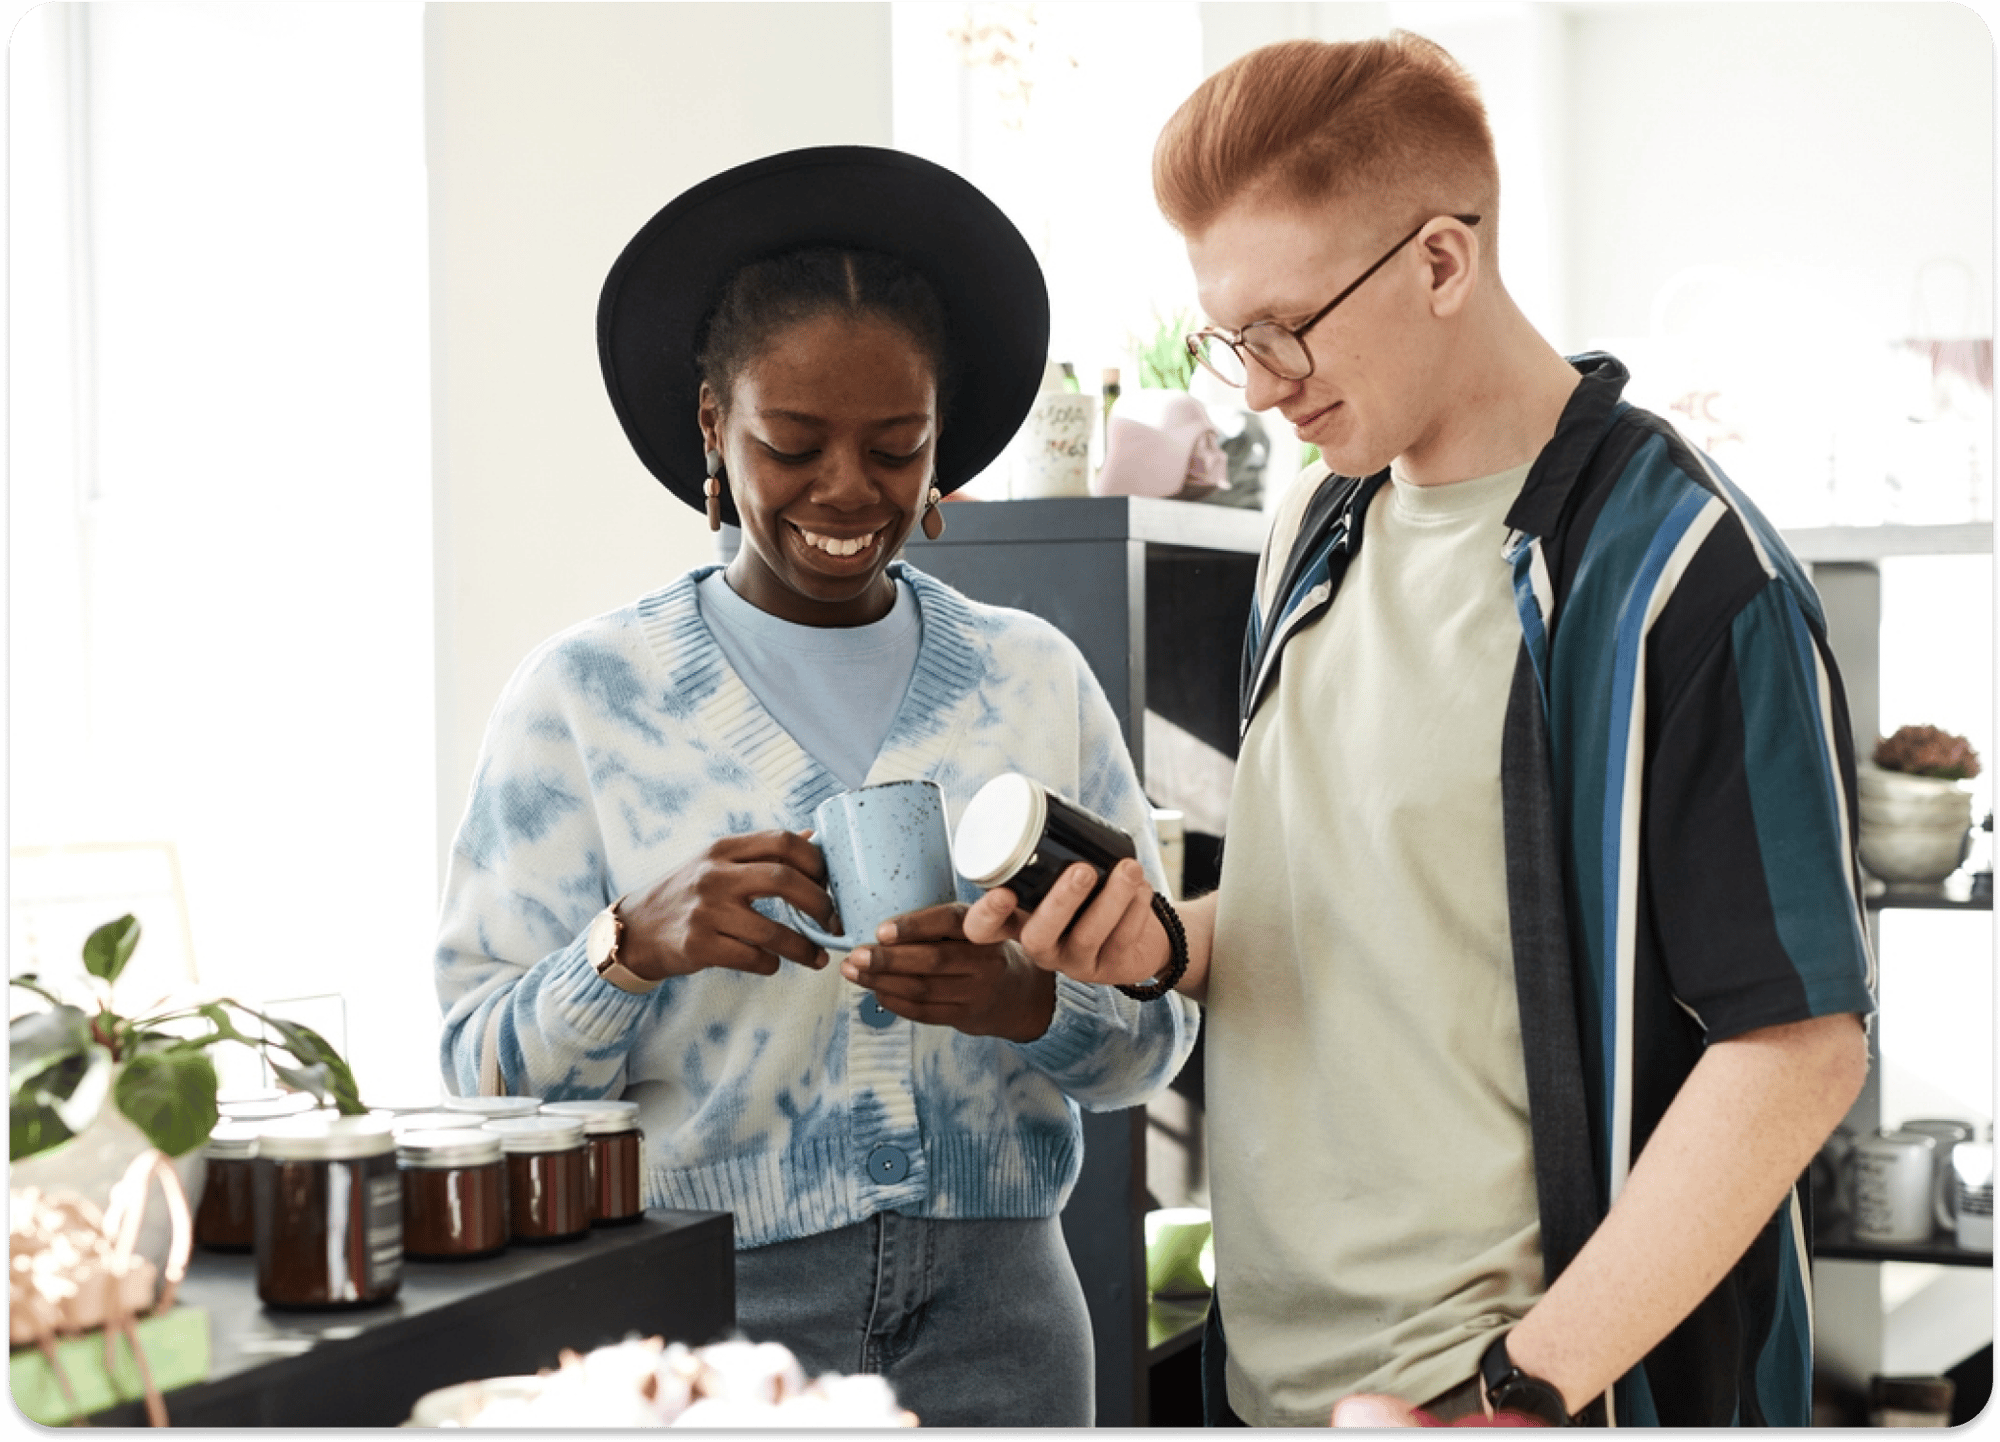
{"x": 28, "y": 981}
{"x": 53, "y": 1104}
{"x": 78, "y": 1103}
{"x": 43, "y": 1039}
{"x": 304, "y": 1079}
{"x": 170, "y": 1096}
{"x": 311, "y": 1049}
{"x": 110, "y": 947}
{"x": 32, "y": 1127}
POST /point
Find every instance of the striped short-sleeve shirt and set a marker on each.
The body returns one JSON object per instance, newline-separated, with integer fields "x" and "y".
{"x": 1678, "y": 778}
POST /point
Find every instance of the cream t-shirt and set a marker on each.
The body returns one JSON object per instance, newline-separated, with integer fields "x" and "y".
{"x": 1371, "y": 1171}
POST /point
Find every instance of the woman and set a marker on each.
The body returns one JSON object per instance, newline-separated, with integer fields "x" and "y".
{"x": 818, "y": 345}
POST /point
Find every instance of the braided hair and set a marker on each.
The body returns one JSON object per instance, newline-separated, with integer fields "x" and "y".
{"x": 770, "y": 295}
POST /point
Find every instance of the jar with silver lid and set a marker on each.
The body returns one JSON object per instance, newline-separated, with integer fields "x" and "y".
{"x": 434, "y": 1120}
{"x": 328, "y": 1204}
{"x": 548, "y": 1177}
{"x": 611, "y": 1130}
{"x": 262, "y": 1104}
{"x": 490, "y": 1108}
{"x": 1017, "y": 833}
{"x": 226, "y": 1219}
{"x": 454, "y": 1193}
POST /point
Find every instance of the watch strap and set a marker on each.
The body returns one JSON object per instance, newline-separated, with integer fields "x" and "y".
{"x": 1509, "y": 1389}
{"x": 601, "y": 950}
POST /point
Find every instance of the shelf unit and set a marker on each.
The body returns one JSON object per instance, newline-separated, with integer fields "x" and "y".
{"x": 1156, "y": 594}
{"x": 1851, "y": 1329}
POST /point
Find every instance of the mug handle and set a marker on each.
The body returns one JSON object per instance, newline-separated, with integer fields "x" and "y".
{"x": 1944, "y": 1195}
{"x": 785, "y": 914}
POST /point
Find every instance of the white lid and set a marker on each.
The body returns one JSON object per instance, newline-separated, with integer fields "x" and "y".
{"x": 538, "y": 1134}
{"x": 263, "y": 1103}
{"x": 599, "y": 1117}
{"x": 232, "y": 1138}
{"x": 494, "y": 1106}
{"x": 999, "y": 830}
{"x": 432, "y": 1120}
{"x": 324, "y": 1136}
{"x": 457, "y": 1147}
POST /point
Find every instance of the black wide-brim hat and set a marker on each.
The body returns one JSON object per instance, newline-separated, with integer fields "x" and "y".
{"x": 669, "y": 279}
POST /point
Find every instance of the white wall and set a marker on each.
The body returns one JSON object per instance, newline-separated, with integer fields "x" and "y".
{"x": 1827, "y": 150}
{"x": 555, "y": 132}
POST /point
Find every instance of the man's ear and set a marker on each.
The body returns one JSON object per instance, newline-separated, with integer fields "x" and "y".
{"x": 1451, "y": 251}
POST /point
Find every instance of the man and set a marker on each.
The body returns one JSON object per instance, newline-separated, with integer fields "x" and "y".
{"x": 1534, "y": 974}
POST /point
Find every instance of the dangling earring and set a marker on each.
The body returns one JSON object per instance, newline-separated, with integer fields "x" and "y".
{"x": 712, "y": 487}
{"x": 933, "y": 521}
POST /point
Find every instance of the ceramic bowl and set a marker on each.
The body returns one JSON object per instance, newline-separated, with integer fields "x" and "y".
{"x": 1912, "y": 854}
{"x": 454, "y": 1405}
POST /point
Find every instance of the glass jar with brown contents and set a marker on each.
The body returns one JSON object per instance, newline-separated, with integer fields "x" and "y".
{"x": 328, "y": 1204}
{"x": 226, "y": 1221}
{"x": 611, "y": 1129}
{"x": 454, "y": 1193}
{"x": 548, "y": 1177}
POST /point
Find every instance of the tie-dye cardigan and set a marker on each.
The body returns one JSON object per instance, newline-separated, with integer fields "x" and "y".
{"x": 620, "y": 749}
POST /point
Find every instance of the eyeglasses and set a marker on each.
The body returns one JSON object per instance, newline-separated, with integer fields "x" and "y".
{"x": 1281, "y": 350}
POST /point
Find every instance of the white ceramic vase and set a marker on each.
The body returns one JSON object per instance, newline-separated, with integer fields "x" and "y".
{"x": 1055, "y": 453}
{"x": 1913, "y": 828}
{"x": 90, "y": 1163}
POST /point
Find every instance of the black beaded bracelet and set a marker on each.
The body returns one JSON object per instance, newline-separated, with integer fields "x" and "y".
{"x": 1177, "y": 955}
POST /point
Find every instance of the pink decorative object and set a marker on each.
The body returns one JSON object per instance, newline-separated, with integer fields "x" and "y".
{"x": 1165, "y": 447}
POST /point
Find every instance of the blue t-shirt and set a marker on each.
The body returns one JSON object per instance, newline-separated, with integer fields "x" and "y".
{"x": 836, "y": 689}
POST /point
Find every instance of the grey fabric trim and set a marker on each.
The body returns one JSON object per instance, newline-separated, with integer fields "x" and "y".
{"x": 1544, "y": 980}
{"x": 1545, "y": 984}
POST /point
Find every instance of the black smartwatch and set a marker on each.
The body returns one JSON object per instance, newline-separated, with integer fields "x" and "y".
{"x": 1509, "y": 1389}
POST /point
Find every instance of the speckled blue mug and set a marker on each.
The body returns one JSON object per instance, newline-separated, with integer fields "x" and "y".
{"x": 887, "y": 852}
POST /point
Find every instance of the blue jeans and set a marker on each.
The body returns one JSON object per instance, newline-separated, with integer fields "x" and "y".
{"x": 975, "y": 1323}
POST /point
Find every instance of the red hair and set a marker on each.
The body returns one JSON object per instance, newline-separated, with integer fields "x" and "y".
{"x": 1393, "y": 120}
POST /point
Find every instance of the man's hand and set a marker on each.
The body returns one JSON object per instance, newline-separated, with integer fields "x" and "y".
{"x": 925, "y": 969}
{"x": 1116, "y": 940}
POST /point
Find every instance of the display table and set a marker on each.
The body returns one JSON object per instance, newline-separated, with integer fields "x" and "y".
{"x": 671, "y": 1274}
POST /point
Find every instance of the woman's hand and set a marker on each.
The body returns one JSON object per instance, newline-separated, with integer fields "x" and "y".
{"x": 1116, "y": 939}
{"x": 925, "y": 969}
{"x": 700, "y": 915}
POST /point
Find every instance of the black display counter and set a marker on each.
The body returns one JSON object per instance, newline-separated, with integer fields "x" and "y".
{"x": 670, "y": 1274}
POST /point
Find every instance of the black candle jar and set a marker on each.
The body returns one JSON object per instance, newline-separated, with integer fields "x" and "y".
{"x": 548, "y": 1177}
{"x": 454, "y": 1193}
{"x": 1018, "y": 834}
{"x": 226, "y": 1219}
{"x": 329, "y": 1212}
{"x": 611, "y": 1130}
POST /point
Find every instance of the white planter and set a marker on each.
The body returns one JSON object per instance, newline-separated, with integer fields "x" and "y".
{"x": 1914, "y": 796}
{"x": 91, "y": 1163}
{"x": 1913, "y": 828}
{"x": 1912, "y": 855}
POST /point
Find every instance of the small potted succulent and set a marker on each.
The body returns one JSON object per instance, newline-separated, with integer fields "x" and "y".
{"x": 1915, "y": 810}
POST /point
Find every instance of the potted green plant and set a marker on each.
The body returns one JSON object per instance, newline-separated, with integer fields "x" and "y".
{"x": 1915, "y": 811}
{"x": 154, "y": 1067}
{"x": 1164, "y": 362}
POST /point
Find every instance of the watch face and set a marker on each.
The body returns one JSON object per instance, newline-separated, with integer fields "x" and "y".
{"x": 601, "y": 944}
{"x": 1530, "y": 1398}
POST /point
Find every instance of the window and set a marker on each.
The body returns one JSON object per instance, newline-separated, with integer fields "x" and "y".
{"x": 219, "y": 554}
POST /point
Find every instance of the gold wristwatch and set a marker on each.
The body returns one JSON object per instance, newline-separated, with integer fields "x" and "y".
{"x": 600, "y": 945}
